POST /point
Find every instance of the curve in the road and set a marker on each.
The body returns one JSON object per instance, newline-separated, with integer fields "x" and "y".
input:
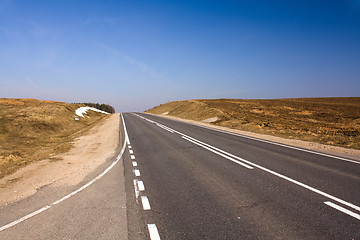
{"x": 30, "y": 215}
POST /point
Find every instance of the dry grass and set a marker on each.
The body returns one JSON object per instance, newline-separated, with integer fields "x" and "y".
{"x": 31, "y": 130}
{"x": 332, "y": 121}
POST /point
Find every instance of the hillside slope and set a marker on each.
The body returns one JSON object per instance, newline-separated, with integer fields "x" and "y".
{"x": 332, "y": 121}
{"x": 32, "y": 130}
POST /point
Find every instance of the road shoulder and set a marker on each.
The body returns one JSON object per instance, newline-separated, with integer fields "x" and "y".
{"x": 327, "y": 149}
{"x": 89, "y": 151}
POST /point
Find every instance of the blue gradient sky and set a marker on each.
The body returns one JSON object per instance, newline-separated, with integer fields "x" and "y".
{"x": 138, "y": 54}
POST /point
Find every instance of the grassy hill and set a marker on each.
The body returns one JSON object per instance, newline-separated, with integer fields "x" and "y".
{"x": 333, "y": 121}
{"x": 31, "y": 130}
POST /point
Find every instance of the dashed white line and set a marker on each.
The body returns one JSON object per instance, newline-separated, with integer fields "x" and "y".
{"x": 134, "y": 164}
{"x": 136, "y": 191}
{"x": 141, "y": 186}
{"x": 137, "y": 172}
{"x": 129, "y": 147}
{"x": 131, "y": 151}
{"x": 132, "y": 156}
{"x": 145, "y": 203}
{"x": 153, "y": 231}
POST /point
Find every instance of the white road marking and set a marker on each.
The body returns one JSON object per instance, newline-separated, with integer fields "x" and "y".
{"x": 344, "y": 210}
{"x": 137, "y": 193}
{"x": 24, "y": 218}
{"x": 278, "y": 144}
{"x": 153, "y": 231}
{"x": 132, "y": 156}
{"x": 145, "y": 203}
{"x": 69, "y": 195}
{"x": 283, "y": 176}
{"x": 92, "y": 181}
{"x": 218, "y": 153}
{"x": 165, "y": 128}
{"x": 137, "y": 172}
{"x": 131, "y": 151}
{"x": 134, "y": 164}
{"x": 126, "y": 134}
{"x": 129, "y": 147}
{"x": 270, "y": 142}
{"x": 141, "y": 186}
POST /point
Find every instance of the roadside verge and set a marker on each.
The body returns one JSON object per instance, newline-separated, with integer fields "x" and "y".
{"x": 312, "y": 146}
{"x": 89, "y": 151}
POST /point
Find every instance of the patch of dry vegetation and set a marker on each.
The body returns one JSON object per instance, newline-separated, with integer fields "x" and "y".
{"x": 332, "y": 121}
{"x": 31, "y": 130}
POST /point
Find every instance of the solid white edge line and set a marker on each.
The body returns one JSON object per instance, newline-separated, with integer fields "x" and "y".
{"x": 145, "y": 203}
{"x": 24, "y": 218}
{"x": 126, "y": 134}
{"x": 296, "y": 182}
{"x": 72, "y": 193}
{"x": 153, "y": 231}
{"x": 344, "y": 210}
{"x": 134, "y": 164}
{"x": 141, "y": 186}
{"x": 218, "y": 153}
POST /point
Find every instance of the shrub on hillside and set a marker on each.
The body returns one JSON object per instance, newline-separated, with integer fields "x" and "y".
{"x": 103, "y": 107}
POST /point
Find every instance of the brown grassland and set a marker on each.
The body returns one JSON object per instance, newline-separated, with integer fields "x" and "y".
{"x": 31, "y": 130}
{"x": 332, "y": 121}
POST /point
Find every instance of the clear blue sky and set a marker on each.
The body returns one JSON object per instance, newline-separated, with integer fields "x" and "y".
{"x": 138, "y": 54}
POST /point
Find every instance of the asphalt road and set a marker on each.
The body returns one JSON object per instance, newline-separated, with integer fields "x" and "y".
{"x": 189, "y": 182}
{"x": 173, "y": 180}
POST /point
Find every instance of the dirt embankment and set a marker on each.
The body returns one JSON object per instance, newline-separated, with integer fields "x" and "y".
{"x": 329, "y": 121}
{"x": 88, "y": 152}
{"x": 31, "y": 130}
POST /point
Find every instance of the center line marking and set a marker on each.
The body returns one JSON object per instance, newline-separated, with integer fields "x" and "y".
{"x": 218, "y": 153}
{"x": 195, "y": 141}
{"x": 344, "y": 210}
{"x": 145, "y": 203}
{"x": 137, "y": 193}
{"x": 141, "y": 185}
{"x": 153, "y": 231}
{"x": 137, "y": 172}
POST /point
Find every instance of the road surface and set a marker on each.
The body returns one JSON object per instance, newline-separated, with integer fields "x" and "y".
{"x": 198, "y": 183}
{"x": 174, "y": 180}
